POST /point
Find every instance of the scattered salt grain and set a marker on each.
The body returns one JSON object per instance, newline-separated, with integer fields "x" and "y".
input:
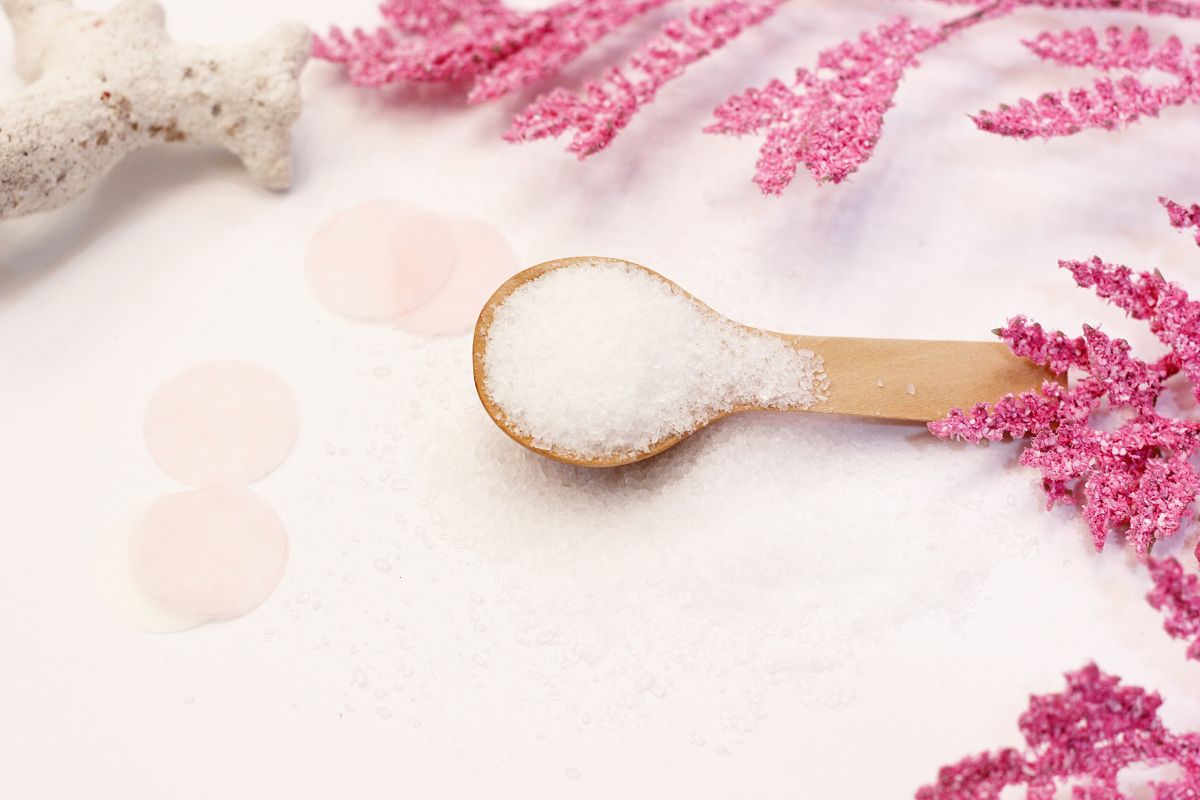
{"x": 606, "y": 359}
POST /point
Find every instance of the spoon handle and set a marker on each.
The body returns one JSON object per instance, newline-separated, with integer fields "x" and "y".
{"x": 914, "y": 379}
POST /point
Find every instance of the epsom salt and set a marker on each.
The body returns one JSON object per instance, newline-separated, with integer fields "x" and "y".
{"x": 603, "y": 359}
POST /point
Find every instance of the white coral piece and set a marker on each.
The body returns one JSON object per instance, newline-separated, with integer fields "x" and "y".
{"x": 104, "y": 85}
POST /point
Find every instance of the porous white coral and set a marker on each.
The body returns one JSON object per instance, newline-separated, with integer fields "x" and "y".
{"x": 104, "y": 85}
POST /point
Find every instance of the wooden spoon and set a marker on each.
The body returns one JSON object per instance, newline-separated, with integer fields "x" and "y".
{"x": 897, "y": 379}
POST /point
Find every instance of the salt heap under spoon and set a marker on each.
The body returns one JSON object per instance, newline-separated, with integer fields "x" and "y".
{"x": 601, "y": 362}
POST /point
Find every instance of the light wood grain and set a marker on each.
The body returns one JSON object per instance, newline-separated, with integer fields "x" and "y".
{"x": 915, "y": 379}
{"x": 911, "y": 380}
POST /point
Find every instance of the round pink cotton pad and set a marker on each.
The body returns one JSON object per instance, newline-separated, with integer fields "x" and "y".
{"x": 123, "y": 597}
{"x": 379, "y": 259}
{"x": 221, "y": 423}
{"x": 483, "y": 260}
{"x": 213, "y": 553}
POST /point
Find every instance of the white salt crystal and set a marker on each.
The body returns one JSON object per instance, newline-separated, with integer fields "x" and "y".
{"x": 605, "y": 359}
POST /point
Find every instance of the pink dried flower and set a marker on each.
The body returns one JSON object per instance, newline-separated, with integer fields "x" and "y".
{"x": 570, "y": 35}
{"x": 1026, "y": 414}
{"x": 1082, "y": 737}
{"x": 1183, "y": 217}
{"x": 830, "y": 118}
{"x": 1177, "y": 595}
{"x": 604, "y": 107}
{"x": 1109, "y": 104}
{"x": 1173, "y": 8}
{"x": 1055, "y": 350}
{"x": 1136, "y": 478}
{"x": 827, "y": 118}
{"x": 431, "y": 17}
{"x": 448, "y": 40}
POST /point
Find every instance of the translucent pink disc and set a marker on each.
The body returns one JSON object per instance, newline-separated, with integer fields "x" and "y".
{"x": 210, "y": 553}
{"x": 380, "y": 259}
{"x": 121, "y": 594}
{"x": 483, "y": 260}
{"x": 221, "y": 423}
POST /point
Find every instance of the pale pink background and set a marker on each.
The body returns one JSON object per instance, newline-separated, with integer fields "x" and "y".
{"x": 483, "y": 628}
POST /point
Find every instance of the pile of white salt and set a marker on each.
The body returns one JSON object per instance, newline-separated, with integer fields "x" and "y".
{"x": 603, "y": 358}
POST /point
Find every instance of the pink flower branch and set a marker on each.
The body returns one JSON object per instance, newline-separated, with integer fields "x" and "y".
{"x": 501, "y": 49}
{"x": 604, "y": 107}
{"x": 571, "y": 34}
{"x": 1136, "y": 479}
{"x": 1110, "y": 103}
{"x": 830, "y": 118}
{"x": 1177, "y": 595}
{"x": 1183, "y": 217}
{"x": 827, "y": 118}
{"x": 1083, "y": 738}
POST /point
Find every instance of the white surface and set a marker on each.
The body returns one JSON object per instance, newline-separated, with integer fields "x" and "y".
{"x": 862, "y": 604}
